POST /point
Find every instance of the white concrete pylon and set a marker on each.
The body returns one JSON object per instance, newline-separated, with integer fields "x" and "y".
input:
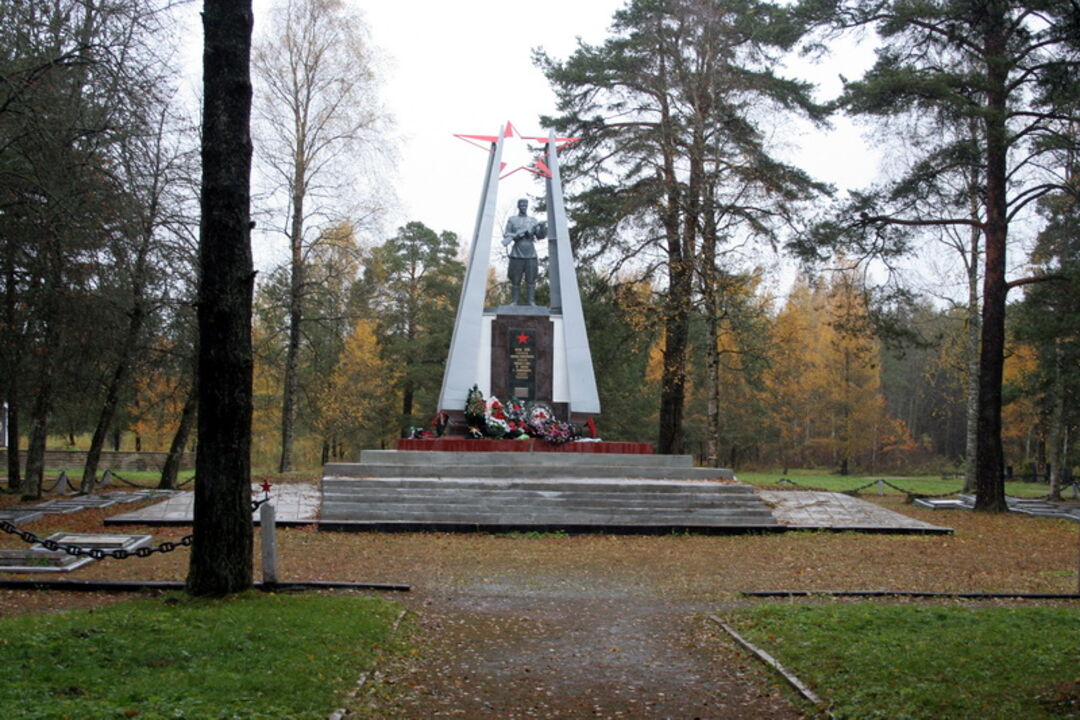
{"x": 465, "y": 344}
{"x": 566, "y": 297}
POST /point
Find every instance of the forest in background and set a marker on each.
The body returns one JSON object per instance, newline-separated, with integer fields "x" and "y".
{"x": 677, "y": 197}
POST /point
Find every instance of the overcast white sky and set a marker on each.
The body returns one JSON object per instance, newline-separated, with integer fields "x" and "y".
{"x": 465, "y": 66}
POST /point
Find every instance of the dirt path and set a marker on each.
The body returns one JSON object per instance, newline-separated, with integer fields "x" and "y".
{"x": 529, "y": 646}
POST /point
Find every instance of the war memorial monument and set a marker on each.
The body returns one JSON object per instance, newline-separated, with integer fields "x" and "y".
{"x": 534, "y": 359}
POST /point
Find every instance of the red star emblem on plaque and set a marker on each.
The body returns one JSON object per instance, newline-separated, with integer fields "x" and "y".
{"x": 522, "y": 338}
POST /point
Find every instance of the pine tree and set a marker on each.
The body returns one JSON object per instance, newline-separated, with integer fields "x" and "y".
{"x": 672, "y": 161}
{"x": 1006, "y": 67}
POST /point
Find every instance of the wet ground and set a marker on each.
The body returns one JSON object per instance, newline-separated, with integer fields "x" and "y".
{"x": 533, "y": 646}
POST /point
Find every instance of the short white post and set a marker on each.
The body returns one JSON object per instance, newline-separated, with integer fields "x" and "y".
{"x": 269, "y": 548}
{"x": 880, "y": 486}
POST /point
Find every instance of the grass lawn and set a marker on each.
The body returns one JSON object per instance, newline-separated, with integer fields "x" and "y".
{"x": 919, "y": 484}
{"x": 250, "y": 656}
{"x": 121, "y": 479}
{"x": 907, "y": 662}
{"x": 295, "y": 656}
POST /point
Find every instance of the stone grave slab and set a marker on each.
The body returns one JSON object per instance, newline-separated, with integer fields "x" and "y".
{"x": 19, "y": 515}
{"x": 940, "y": 503}
{"x": 56, "y": 507}
{"x": 74, "y": 503}
{"x": 123, "y": 497}
{"x": 40, "y": 561}
{"x": 1027, "y": 506}
{"x": 103, "y": 541}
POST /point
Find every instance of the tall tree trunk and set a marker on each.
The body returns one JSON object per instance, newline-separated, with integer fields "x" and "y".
{"x": 673, "y": 377}
{"x": 407, "y": 403}
{"x": 712, "y": 361}
{"x": 170, "y": 469}
{"x": 989, "y": 481}
{"x": 672, "y": 439}
{"x": 39, "y": 429}
{"x": 11, "y": 344}
{"x": 1055, "y": 440}
{"x": 119, "y": 378}
{"x": 292, "y": 350}
{"x": 122, "y": 370}
{"x": 710, "y": 300}
{"x": 221, "y": 556}
{"x": 14, "y": 473}
{"x": 974, "y": 333}
{"x": 45, "y": 370}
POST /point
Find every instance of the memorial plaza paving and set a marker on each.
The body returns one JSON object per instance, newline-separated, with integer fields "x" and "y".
{"x": 299, "y": 504}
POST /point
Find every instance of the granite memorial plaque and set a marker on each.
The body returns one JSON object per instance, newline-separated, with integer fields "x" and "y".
{"x": 521, "y": 358}
{"x": 522, "y": 381}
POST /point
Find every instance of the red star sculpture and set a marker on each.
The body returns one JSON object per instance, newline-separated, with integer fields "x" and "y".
{"x": 510, "y": 134}
{"x": 522, "y": 338}
{"x": 266, "y": 485}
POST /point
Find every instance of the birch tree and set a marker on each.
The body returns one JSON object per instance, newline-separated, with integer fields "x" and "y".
{"x": 318, "y": 127}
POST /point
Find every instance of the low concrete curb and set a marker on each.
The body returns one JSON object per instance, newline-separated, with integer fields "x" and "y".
{"x": 137, "y": 585}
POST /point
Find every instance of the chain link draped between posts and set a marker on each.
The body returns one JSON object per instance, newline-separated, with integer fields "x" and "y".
{"x": 109, "y": 475}
{"x": 911, "y": 495}
{"x": 96, "y": 553}
{"x": 853, "y": 491}
{"x": 100, "y": 554}
{"x": 63, "y": 482}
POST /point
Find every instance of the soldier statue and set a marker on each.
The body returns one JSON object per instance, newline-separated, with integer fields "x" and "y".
{"x": 522, "y": 231}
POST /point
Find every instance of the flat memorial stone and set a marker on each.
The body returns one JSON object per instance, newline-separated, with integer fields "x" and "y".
{"x": 940, "y": 504}
{"x": 1027, "y": 506}
{"x": 54, "y": 507}
{"x": 19, "y": 515}
{"x": 38, "y": 560}
{"x": 99, "y": 540}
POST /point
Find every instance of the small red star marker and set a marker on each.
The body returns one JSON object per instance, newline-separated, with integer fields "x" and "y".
{"x": 266, "y": 485}
{"x": 510, "y": 135}
{"x": 522, "y": 338}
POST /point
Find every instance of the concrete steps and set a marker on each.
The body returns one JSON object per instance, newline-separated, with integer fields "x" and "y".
{"x": 416, "y": 463}
{"x": 506, "y": 491}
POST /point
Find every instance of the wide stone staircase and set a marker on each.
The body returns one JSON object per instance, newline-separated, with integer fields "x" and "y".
{"x": 536, "y": 491}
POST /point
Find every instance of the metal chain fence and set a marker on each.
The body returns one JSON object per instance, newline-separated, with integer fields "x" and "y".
{"x": 63, "y": 482}
{"x": 911, "y": 494}
{"x": 98, "y": 553}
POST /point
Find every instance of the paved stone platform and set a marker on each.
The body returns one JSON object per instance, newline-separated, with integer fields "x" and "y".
{"x": 294, "y": 504}
{"x": 299, "y": 504}
{"x": 812, "y": 510}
